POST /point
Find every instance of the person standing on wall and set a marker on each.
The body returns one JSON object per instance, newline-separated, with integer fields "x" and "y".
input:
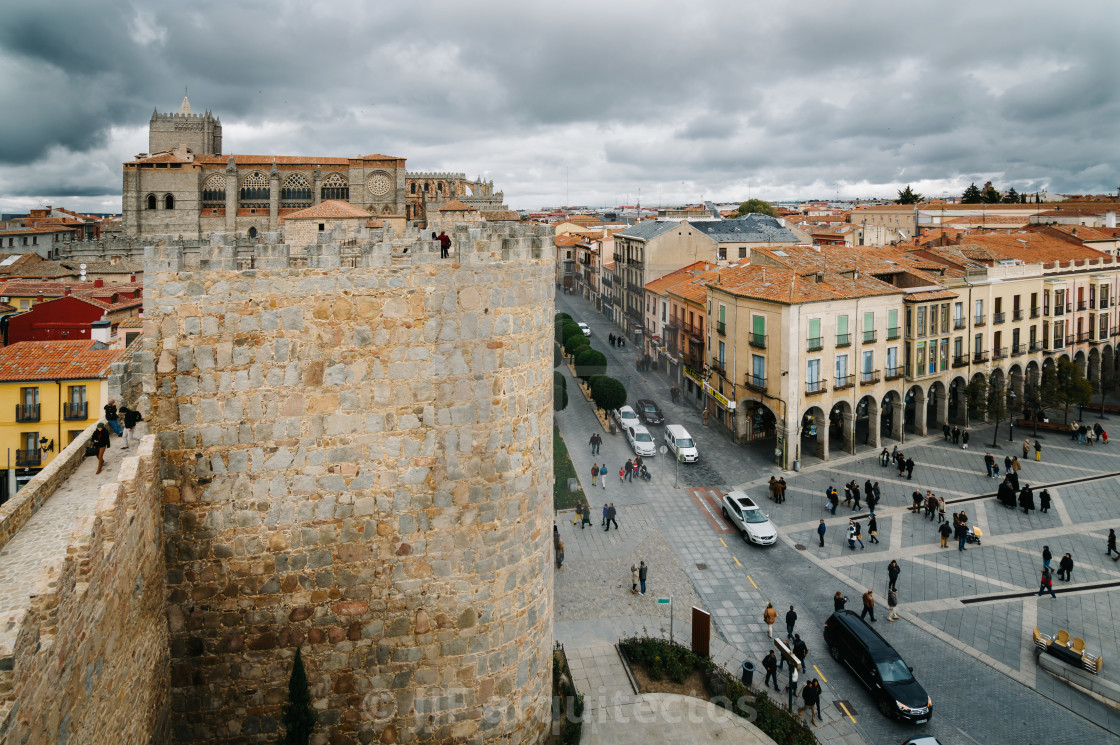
{"x": 111, "y": 417}
{"x": 99, "y": 442}
{"x": 444, "y": 245}
{"x": 131, "y": 417}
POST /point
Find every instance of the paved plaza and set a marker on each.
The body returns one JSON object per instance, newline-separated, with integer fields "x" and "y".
{"x": 967, "y": 616}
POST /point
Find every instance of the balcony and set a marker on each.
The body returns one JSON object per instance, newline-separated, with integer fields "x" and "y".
{"x": 1070, "y": 340}
{"x": 1017, "y": 315}
{"x": 816, "y": 386}
{"x": 869, "y": 337}
{"x": 1104, "y": 303}
{"x": 999, "y": 353}
{"x": 1083, "y": 336}
{"x": 979, "y": 356}
{"x": 757, "y": 341}
{"x": 1034, "y": 312}
{"x": 978, "y": 320}
{"x": 674, "y": 322}
{"x": 843, "y": 381}
{"x": 1069, "y": 307}
{"x": 27, "y": 412}
{"x": 958, "y": 323}
{"x": 717, "y": 365}
{"x": 1059, "y": 310}
{"x": 1082, "y": 304}
{"x": 998, "y": 318}
{"x": 721, "y": 328}
{"x": 815, "y": 344}
{"x": 75, "y": 411}
{"x": 893, "y": 373}
{"x": 1018, "y": 350}
{"x": 869, "y": 378}
{"x": 29, "y": 458}
{"x": 893, "y": 333}
{"x": 756, "y": 382}
{"x": 1035, "y": 347}
{"x": 843, "y": 340}
{"x": 960, "y": 360}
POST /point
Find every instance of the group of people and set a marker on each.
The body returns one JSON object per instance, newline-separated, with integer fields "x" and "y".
{"x": 1065, "y": 569}
{"x": 956, "y": 434}
{"x": 616, "y": 341}
{"x": 634, "y": 469}
{"x": 852, "y": 495}
{"x": 777, "y": 490}
{"x": 904, "y": 464}
{"x": 1088, "y": 435}
{"x": 930, "y": 503}
{"x": 99, "y": 442}
{"x": 645, "y": 363}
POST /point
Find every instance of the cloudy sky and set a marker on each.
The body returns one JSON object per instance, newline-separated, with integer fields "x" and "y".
{"x": 578, "y": 102}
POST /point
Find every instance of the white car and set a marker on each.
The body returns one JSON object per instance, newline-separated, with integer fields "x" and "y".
{"x": 584, "y": 328}
{"x": 626, "y": 417}
{"x": 640, "y": 440}
{"x": 741, "y": 511}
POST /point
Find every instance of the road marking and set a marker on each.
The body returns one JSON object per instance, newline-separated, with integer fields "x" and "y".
{"x": 1059, "y": 506}
{"x": 845, "y": 708}
{"x": 736, "y": 558}
{"x": 751, "y": 580}
{"x": 724, "y": 544}
{"x": 820, "y": 673}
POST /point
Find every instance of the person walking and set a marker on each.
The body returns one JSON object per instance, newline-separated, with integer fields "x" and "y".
{"x": 1015, "y": 464}
{"x": 99, "y": 442}
{"x": 131, "y": 417}
{"x": 603, "y": 476}
{"x": 859, "y": 535}
{"x": 1046, "y": 556}
{"x": 848, "y": 493}
{"x": 773, "y": 481}
{"x": 940, "y": 510}
{"x": 596, "y": 442}
{"x": 873, "y": 528}
{"x": 916, "y": 501}
{"x": 945, "y": 532}
{"x": 956, "y": 434}
{"x": 809, "y": 699}
{"x": 594, "y": 474}
{"x": 111, "y": 417}
{"x": 964, "y": 440}
{"x": 781, "y": 487}
{"x": 855, "y": 497}
{"x": 931, "y": 506}
{"x": 770, "y": 617}
{"x": 822, "y": 528}
{"x": 961, "y": 533}
{"x": 839, "y": 601}
{"x": 989, "y": 461}
{"x": 629, "y": 468}
{"x": 1044, "y": 501}
{"x": 610, "y": 517}
{"x": 643, "y": 572}
{"x": 893, "y": 570}
{"x": 1065, "y": 567}
{"x": 791, "y": 619}
{"x": 800, "y": 650}
{"x": 851, "y": 535}
{"x": 606, "y": 511}
{"x": 586, "y": 516}
{"x": 868, "y": 606}
{"x": 633, "y": 579}
{"x": 946, "y": 431}
{"x": 1110, "y": 549}
{"x": 833, "y": 499}
{"x": 621, "y": 475}
{"x": 892, "y": 604}
{"x": 770, "y": 664}
{"x": 1046, "y": 584}
{"x": 1006, "y": 465}
{"x": 909, "y": 468}
{"x": 873, "y": 497}
{"x": 1037, "y": 451}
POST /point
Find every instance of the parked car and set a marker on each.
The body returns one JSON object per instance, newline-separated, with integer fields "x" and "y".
{"x": 678, "y": 440}
{"x": 742, "y": 512}
{"x": 625, "y": 417}
{"x": 584, "y": 328}
{"x": 853, "y": 643}
{"x": 640, "y": 440}
{"x": 648, "y": 411}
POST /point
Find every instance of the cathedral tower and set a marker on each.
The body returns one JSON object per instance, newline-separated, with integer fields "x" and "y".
{"x": 201, "y": 133}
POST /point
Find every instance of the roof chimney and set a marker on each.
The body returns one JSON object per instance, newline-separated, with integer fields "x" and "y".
{"x": 820, "y": 277}
{"x": 99, "y": 331}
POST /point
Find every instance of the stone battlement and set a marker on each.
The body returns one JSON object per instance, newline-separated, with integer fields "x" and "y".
{"x": 436, "y": 175}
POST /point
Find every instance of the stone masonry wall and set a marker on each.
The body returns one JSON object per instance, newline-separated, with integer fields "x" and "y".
{"x": 358, "y": 463}
{"x": 88, "y": 661}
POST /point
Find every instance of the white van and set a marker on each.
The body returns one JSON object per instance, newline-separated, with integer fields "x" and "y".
{"x": 680, "y": 441}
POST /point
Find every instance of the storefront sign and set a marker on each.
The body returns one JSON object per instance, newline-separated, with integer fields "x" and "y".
{"x": 719, "y": 397}
{"x": 688, "y": 371}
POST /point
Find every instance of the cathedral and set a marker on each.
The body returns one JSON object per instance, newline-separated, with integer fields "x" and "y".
{"x": 185, "y": 186}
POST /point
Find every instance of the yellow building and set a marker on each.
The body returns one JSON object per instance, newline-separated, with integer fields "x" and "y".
{"x": 50, "y": 391}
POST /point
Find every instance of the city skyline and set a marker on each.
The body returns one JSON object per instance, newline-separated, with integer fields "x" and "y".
{"x": 586, "y": 107}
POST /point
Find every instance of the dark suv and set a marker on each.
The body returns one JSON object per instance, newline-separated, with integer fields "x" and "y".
{"x": 872, "y": 659}
{"x": 649, "y": 411}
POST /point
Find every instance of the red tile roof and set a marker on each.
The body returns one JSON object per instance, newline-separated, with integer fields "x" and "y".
{"x": 922, "y": 297}
{"x": 330, "y": 209}
{"x": 456, "y": 206}
{"x": 56, "y": 360}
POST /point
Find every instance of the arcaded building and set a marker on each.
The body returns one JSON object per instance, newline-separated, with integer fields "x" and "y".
{"x": 186, "y": 186}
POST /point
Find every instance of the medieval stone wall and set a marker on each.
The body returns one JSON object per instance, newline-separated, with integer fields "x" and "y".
{"x": 357, "y": 463}
{"x": 85, "y": 660}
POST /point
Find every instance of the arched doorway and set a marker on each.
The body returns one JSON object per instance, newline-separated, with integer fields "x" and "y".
{"x": 1016, "y": 393}
{"x": 1080, "y": 361}
{"x": 842, "y": 424}
{"x": 1094, "y": 367}
{"x": 814, "y": 434}
{"x": 867, "y": 422}
{"x": 915, "y": 403}
{"x": 252, "y": 232}
{"x": 977, "y": 389}
{"x": 937, "y": 403}
{"x": 760, "y": 430}
{"x": 890, "y": 417}
{"x": 956, "y": 403}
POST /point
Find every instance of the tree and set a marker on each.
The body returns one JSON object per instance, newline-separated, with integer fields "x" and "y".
{"x": 562, "y": 317}
{"x": 759, "y": 206}
{"x": 990, "y": 195}
{"x": 559, "y": 392}
{"x": 590, "y": 362}
{"x": 573, "y": 344}
{"x": 1070, "y": 387}
{"x": 557, "y": 355}
{"x": 907, "y": 196}
{"x": 971, "y": 195}
{"x": 996, "y": 405}
{"x": 1023, "y": 198}
{"x": 298, "y": 716}
{"x": 607, "y": 393}
{"x": 569, "y": 328}
{"x": 1011, "y": 197}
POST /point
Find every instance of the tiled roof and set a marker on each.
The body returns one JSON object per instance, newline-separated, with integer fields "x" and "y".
{"x": 753, "y": 228}
{"x": 695, "y": 289}
{"x": 865, "y": 259}
{"x": 500, "y": 216}
{"x": 56, "y": 360}
{"x": 1084, "y": 233}
{"x": 648, "y": 229}
{"x": 266, "y": 161}
{"x": 330, "y": 209}
{"x": 683, "y": 274}
{"x": 456, "y": 206}
{"x": 1027, "y": 247}
{"x": 563, "y": 241}
{"x": 923, "y": 297}
{"x": 784, "y": 285}
{"x": 37, "y": 231}
{"x": 131, "y": 323}
{"x": 31, "y": 288}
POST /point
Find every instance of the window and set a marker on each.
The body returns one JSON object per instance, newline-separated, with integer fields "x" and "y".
{"x": 1015, "y": 341}
{"x": 758, "y": 369}
{"x": 1046, "y": 302}
{"x": 933, "y": 320}
{"x": 958, "y": 315}
{"x": 813, "y": 373}
{"x": 978, "y": 343}
{"x": 921, "y": 330}
{"x": 742, "y": 252}
{"x": 920, "y": 358}
{"x": 944, "y": 355}
{"x": 892, "y": 324}
{"x": 869, "y": 327}
{"x": 335, "y": 187}
{"x": 1103, "y": 326}
{"x": 958, "y": 346}
{"x": 214, "y": 191}
{"x": 843, "y": 338}
{"x": 944, "y": 318}
{"x": 169, "y": 202}
{"x": 841, "y": 367}
{"x": 814, "y": 334}
{"x": 295, "y": 191}
{"x": 75, "y": 407}
{"x": 758, "y": 331}
{"x": 979, "y": 312}
{"x": 933, "y": 356}
{"x": 151, "y": 206}
{"x": 722, "y": 253}
{"x": 663, "y": 312}
{"x": 721, "y": 358}
{"x": 868, "y": 362}
{"x": 323, "y": 227}
{"x": 892, "y": 361}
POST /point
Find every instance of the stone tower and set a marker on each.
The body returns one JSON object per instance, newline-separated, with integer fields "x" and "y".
{"x": 202, "y": 133}
{"x": 357, "y": 463}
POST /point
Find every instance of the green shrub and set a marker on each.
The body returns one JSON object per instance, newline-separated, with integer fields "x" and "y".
{"x": 562, "y": 317}
{"x": 607, "y": 393}
{"x": 574, "y": 344}
{"x": 559, "y": 392}
{"x": 590, "y": 362}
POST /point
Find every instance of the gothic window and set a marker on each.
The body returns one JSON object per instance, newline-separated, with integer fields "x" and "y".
{"x": 151, "y": 201}
{"x": 252, "y": 232}
{"x": 214, "y": 191}
{"x": 169, "y": 202}
{"x": 254, "y": 190}
{"x": 295, "y": 191}
{"x": 413, "y": 187}
{"x": 335, "y": 187}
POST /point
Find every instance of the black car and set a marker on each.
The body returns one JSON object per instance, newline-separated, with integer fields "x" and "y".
{"x": 871, "y": 658}
{"x": 649, "y": 412}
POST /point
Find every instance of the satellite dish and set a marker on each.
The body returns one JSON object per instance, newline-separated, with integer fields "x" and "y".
{"x": 82, "y": 267}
